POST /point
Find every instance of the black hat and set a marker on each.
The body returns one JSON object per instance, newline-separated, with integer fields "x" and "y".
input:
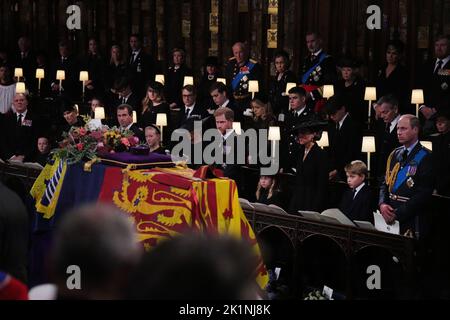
{"x": 212, "y": 61}
{"x": 443, "y": 113}
{"x": 334, "y": 104}
{"x": 314, "y": 124}
{"x": 261, "y": 97}
{"x": 348, "y": 62}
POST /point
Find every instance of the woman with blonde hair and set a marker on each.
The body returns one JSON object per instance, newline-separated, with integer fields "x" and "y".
{"x": 262, "y": 114}
{"x": 153, "y": 104}
{"x": 117, "y": 68}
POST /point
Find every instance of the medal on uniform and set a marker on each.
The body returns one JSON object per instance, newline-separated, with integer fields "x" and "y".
{"x": 316, "y": 78}
{"x": 412, "y": 171}
{"x": 444, "y": 86}
{"x": 245, "y": 86}
{"x": 210, "y": 77}
{"x": 245, "y": 78}
{"x": 410, "y": 183}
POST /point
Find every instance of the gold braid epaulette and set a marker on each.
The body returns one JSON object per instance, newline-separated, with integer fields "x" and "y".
{"x": 391, "y": 176}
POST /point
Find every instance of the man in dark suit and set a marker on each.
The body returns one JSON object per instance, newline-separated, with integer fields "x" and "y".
{"x": 299, "y": 113}
{"x": 21, "y": 129}
{"x": 221, "y": 98}
{"x": 125, "y": 119}
{"x": 318, "y": 69}
{"x": 357, "y": 202}
{"x": 26, "y": 60}
{"x": 126, "y": 95}
{"x": 345, "y": 138}
{"x": 141, "y": 66}
{"x": 71, "y": 86}
{"x": 239, "y": 71}
{"x": 224, "y": 122}
{"x": 386, "y": 135}
{"x": 408, "y": 184}
{"x": 435, "y": 79}
{"x": 191, "y": 109}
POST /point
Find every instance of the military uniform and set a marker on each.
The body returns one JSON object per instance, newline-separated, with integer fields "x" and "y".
{"x": 316, "y": 71}
{"x": 408, "y": 187}
{"x": 290, "y": 147}
{"x": 238, "y": 78}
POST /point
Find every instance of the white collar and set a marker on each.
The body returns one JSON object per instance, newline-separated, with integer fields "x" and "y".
{"x": 318, "y": 53}
{"x": 359, "y": 189}
{"x": 300, "y": 112}
{"x": 411, "y": 148}
{"x": 191, "y": 107}
{"x": 128, "y": 127}
{"x": 136, "y": 52}
{"x": 225, "y": 103}
{"x": 394, "y": 123}
{"x": 24, "y": 114}
{"x": 229, "y": 133}
{"x": 343, "y": 120}
{"x": 444, "y": 61}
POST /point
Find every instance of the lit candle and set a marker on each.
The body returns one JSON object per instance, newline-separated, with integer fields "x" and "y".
{"x": 84, "y": 76}
{"x": 20, "y": 87}
{"x": 328, "y": 91}
{"x": 274, "y": 136}
{"x": 99, "y": 113}
{"x": 370, "y": 95}
{"x": 60, "y": 75}
{"x": 161, "y": 121}
{"x": 18, "y": 73}
{"x": 368, "y": 146}
{"x": 253, "y": 87}
{"x": 223, "y": 80}
{"x": 160, "y": 78}
{"x": 40, "y": 74}
{"x": 417, "y": 98}
{"x": 188, "y": 81}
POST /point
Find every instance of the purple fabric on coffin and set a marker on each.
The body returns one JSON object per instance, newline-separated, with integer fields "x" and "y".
{"x": 126, "y": 157}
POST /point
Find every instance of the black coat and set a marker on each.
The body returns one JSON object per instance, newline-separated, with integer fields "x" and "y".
{"x": 29, "y": 65}
{"x": 71, "y": 85}
{"x": 278, "y": 101}
{"x": 174, "y": 84}
{"x": 20, "y": 140}
{"x": 397, "y": 84}
{"x": 345, "y": 145}
{"x": 360, "y": 208}
{"x": 289, "y": 146}
{"x": 138, "y": 132}
{"x": 274, "y": 199}
{"x": 197, "y": 114}
{"x": 96, "y": 66}
{"x": 141, "y": 71}
{"x": 436, "y": 87}
{"x": 441, "y": 163}
{"x": 311, "y": 184}
{"x": 419, "y": 193}
{"x": 385, "y": 144}
{"x": 353, "y": 97}
{"x": 149, "y": 117}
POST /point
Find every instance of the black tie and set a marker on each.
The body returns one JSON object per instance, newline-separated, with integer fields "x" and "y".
{"x": 338, "y": 127}
{"x": 354, "y": 193}
{"x": 388, "y": 128}
{"x": 439, "y": 66}
{"x": 187, "y": 112}
{"x": 404, "y": 156}
{"x": 124, "y": 100}
{"x": 133, "y": 57}
{"x": 19, "y": 120}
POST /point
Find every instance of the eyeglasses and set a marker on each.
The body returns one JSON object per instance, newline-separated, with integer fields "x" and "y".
{"x": 188, "y": 95}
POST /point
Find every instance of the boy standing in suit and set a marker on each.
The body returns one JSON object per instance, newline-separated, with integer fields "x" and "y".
{"x": 357, "y": 202}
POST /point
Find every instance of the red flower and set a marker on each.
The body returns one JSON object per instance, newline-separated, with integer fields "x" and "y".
{"x": 80, "y": 147}
{"x": 245, "y": 69}
{"x": 125, "y": 142}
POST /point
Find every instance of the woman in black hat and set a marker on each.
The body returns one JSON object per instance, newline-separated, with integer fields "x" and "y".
{"x": 211, "y": 73}
{"x": 351, "y": 88}
{"x": 311, "y": 186}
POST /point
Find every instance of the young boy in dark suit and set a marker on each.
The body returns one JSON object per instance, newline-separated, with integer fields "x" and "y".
{"x": 357, "y": 202}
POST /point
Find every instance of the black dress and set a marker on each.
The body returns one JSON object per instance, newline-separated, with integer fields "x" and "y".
{"x": 278, "y": 101}
{"x": 397, "y": 84}
{"x": 353, "y": 96}
{"x": 311, "y": 185}
{"x": 264, "y": 197}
